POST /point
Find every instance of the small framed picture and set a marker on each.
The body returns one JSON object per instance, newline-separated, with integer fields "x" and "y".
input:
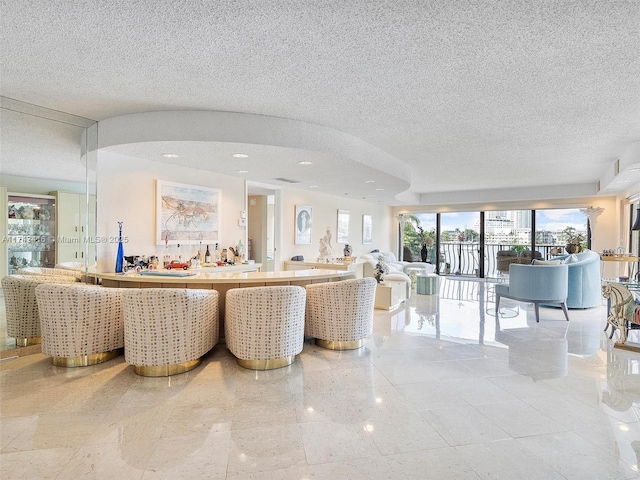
{"x": 367, "y": 224}
{"x": 303, "y": 225}
{"x": 343, "y": 226}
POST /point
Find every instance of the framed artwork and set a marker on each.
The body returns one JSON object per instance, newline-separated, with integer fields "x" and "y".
{"x": 343, "y": 226}
{"x": 186, "y": 214}
{"x": 303, "y": 225}
{"x": 367, "y": 226}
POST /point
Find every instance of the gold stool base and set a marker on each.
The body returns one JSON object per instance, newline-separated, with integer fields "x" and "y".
{"x": 166, "y": 370}
{"x": 266, "y": 364}
{"x": 25, "y": 342}
{"x": 86, "y": 360}
{"x": 337, "y": 345}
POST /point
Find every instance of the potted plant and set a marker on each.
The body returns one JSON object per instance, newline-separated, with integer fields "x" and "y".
{"x": 574, "y": 240}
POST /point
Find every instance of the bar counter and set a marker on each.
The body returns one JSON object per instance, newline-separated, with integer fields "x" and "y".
{"x": 219, "y": 280}
{"x": 223, "y": 281}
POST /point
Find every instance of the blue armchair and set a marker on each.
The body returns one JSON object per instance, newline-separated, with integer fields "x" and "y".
{"x": 548, "y": 284}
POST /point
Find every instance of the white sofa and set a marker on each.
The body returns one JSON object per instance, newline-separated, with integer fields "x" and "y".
{"x": 396, "y": 268}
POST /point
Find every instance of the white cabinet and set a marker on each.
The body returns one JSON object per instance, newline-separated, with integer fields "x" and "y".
{"x": 75, "y": 234}
{"x": 30, "y": 231}
{"x": 3, "y": 230}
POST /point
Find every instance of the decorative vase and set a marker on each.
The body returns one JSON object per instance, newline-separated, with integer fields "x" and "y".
{"x": 120, "y": 254}
{"x": 423, "y": 252}
{"x": 573, "y": 248}
{"x": 347, "y": 250}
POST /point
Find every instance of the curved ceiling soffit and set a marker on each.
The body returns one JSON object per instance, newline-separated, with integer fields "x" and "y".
{"x": 238, "y": 128}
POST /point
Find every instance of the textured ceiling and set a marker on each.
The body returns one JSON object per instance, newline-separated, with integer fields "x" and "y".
{"x": 470, "y": 95}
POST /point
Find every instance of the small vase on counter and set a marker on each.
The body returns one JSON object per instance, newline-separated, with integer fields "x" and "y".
{"x": 120, "y": 254}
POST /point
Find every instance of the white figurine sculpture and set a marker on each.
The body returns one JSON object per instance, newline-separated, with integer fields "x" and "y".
{"x": 325, "y": 244}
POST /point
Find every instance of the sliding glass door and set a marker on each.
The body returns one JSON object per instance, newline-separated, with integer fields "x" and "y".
{"x": 484, "y": 244}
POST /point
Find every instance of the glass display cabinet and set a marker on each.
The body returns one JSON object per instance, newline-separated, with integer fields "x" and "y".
{"x": 31, "y": 240}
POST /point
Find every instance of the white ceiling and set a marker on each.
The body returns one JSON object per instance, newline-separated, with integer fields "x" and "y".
{"x": 491, "y": 98}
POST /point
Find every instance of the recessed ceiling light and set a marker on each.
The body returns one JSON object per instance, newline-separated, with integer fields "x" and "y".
{"x": 369, "y": 181}
{"x": 239, "y": 155}
{"x": 170, "y": 155}
{"x": 379, "y": 189}
{"x": 305, "y": 162}
{"x": 313, "y": 186}
{"x": 242, "y": 171}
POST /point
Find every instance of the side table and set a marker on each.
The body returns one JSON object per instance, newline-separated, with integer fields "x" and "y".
{"x": 427, "y": 284}
{"x": 390, "y": 294}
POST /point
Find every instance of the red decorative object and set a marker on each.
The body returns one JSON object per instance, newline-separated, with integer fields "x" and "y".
{"x": 176, "y": 264}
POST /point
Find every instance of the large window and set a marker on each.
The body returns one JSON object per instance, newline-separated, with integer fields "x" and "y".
{"x": 557, "y": 228}
{"x": 460, "y": 243}
{"x": 420, "y": 238}
{"x": 507, "y": 239}
{"x": 486, "y": 243}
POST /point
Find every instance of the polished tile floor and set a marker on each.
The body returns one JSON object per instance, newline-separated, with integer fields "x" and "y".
{"x": 441, "y": 391}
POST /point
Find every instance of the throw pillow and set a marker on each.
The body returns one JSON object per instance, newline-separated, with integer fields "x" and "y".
{"x": 388, "y": 258}
{"x": 545, "y": 262}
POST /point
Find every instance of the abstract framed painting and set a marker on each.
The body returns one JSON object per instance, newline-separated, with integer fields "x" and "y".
{"x": 186, "y": 214}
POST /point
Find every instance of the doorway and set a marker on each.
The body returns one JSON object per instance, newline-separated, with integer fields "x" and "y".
{"x": 263, "y": 225}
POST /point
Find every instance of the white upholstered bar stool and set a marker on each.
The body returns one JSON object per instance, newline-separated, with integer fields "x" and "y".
{"x": 264, "y": 326}
{"x": 23, "y": 319}
{"x": 339, "y": 315}
{"x": 168, "y": 330}
{"x": 81, "y": 324}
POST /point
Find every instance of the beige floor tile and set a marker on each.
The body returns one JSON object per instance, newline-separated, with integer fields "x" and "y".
{"x": 452, "y": 394}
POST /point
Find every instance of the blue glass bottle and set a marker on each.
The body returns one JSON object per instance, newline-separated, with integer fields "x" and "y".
{"x": 120, "y": 254}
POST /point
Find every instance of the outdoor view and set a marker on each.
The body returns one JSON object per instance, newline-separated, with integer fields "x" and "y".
{"x": 507, "y": 238}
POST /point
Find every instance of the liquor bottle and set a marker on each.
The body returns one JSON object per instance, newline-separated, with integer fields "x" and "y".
{"x": 200, "y": 254}
{"x": 240, "y": 251}
{"x": 207, "y": 256}
{"x": 166, "y": 259}
{"x": 216, "y": 255}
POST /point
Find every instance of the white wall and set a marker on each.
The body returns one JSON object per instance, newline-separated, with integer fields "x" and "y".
{"x": 126, "y": 192}
{"x": 325, "y": 214}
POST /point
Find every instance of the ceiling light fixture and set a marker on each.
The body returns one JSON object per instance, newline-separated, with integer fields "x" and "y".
{"x": 239, "y": 155}
{"x": 305, "y": 162}
{"x": 369, "y": 181}
{"x": 379, "y": 189}
{"x": 242, "y": 171}
{"x": 313, "y": 186}
{"x": 170, "y": 155}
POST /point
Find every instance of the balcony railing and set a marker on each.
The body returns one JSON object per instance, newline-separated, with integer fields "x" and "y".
{"x": 463, "y": 258}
